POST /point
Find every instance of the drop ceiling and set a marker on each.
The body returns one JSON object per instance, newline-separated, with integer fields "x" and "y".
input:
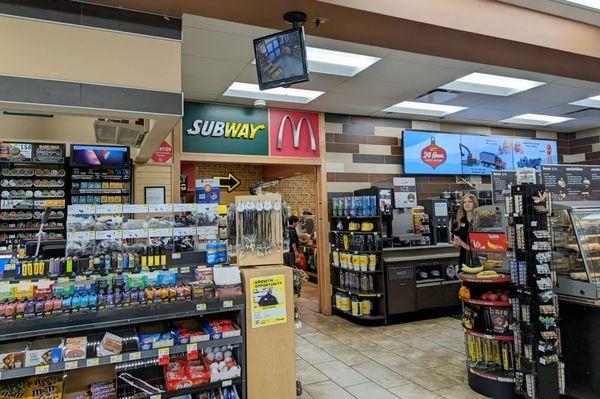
{"x": 217, "y": 53}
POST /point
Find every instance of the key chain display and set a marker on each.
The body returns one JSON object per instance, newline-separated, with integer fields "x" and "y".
{"x": 256, "y": 231}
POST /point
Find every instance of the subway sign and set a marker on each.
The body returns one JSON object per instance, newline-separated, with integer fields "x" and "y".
{"x": 226, "y": 129}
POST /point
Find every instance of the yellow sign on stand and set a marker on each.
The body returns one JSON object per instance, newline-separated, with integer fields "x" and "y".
{"x": 268, "y": 301}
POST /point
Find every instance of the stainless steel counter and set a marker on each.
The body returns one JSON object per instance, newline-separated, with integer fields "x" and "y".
{"x": 422, "y": 253}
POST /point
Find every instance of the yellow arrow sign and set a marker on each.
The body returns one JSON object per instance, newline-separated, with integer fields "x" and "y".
{"x": 229, "y": 182}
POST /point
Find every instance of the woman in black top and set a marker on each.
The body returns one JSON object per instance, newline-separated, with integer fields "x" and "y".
{"x": 294, "y": 239}
{"x": 464, "y": 216}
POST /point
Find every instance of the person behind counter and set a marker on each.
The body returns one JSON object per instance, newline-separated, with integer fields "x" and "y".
{"x": 464, "y": 216}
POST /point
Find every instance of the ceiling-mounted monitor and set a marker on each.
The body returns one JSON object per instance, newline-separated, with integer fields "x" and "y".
{"x": 281, "y": 59}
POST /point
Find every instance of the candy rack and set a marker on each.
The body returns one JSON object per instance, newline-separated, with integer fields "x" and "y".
{"x": 32, "y": 178}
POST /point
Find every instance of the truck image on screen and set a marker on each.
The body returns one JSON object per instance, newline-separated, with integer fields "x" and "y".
{"x": 491, "y": 160}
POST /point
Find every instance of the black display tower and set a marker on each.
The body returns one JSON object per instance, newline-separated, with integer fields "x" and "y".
{"x": 357, "y": 244}
{"x": 535, "y": 306}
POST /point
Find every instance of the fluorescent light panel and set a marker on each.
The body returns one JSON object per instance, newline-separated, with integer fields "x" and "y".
{"x": 289, "y": 95}
{"x": 593, "y": 102}
{"x": 592, "y": 4}
{"x": 339, "y": 63}
{"x": 494, "y": 85}
{"x": 536, "y": 119}
{"x": 416, "y": 108}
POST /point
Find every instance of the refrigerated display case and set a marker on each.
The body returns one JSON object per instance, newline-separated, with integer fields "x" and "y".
{"x": 576, "y": 248}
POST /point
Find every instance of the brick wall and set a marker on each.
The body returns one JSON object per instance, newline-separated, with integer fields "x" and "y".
{"x": 583, "y": 148}
{"x": 299, "y": 191}
{"x": 366, "y": 151}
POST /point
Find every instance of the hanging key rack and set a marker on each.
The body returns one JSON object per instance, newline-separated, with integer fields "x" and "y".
{"x": 258, "y": 227}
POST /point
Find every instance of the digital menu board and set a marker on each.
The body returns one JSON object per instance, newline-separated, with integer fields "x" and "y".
{"x": 465, "y": 154}
{"x": 572, "y": 182}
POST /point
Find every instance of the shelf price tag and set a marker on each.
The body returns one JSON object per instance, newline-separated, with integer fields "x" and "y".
{"x": 135, "y": 356}
{"x": 185, "y": 269}
{"x": 93, "y": 362}
{"x": 116, "y": 358}
{"x": 201, "y": 307}
{"x": 71, "y": 365}
{"x": 228, "y": 304}
{"x": 157, "y": 396}
{"x": 44, "y": 369}
{"x": 163, "y": 356}
{"x": 226, "y": 383}
{"x": 192, "y": 351}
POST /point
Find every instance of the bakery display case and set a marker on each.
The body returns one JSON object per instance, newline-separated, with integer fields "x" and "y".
{"x": 576, "y": 248}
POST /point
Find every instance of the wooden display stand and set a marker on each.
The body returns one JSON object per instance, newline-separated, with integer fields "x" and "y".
{"x": 270, "y": 349}
{"x": 276, "y": 256}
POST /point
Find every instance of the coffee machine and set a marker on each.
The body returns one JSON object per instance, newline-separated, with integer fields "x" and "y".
{"x": 439, "y": 219}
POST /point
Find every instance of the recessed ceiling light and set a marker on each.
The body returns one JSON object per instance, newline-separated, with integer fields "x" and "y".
{"x": 592, "y": 4}
{"x": 494, "y": 85}
{"x": 593, "y": 102}
{"x": 289, "y": 95}
{"x": 336, "y": 62}
{"x": 412, "y": 107}
{"x": 536, "y": 119}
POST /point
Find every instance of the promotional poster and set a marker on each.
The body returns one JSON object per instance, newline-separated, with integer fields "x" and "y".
{"x": 267, "y": 296}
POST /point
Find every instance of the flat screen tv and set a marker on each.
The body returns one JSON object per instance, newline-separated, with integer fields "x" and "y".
{"x": 99, "y": 155}
{"x": 281, "y": 59}
{"x": 434, "y": 153}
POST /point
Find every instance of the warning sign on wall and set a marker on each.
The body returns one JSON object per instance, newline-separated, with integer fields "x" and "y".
{"x": 163, "y": 153}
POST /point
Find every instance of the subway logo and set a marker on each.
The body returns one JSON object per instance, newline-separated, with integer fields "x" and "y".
{"x": 233, "y": 130}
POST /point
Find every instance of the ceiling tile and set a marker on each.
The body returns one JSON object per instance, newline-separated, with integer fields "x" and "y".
{"x": 561, "y": 93}
{"x": 349, "y": 47}
{"x": 411, "y": 72}
{"x": 210, "y": 68}
{"x": 431, "y": 60}
{"x": 219, "y": 25}
{"x": 518, "y": 105}
{"x": 195, "y": 96}
{"x": 379, "y": 88}
{"x": 220, "y": 45}
{"x": 560, "y": 110}
{"x": 467, "y": 99}
{"x": 202, "y": 85}
{"x": 580, "y": 83}
{"x": 480, "y": 114}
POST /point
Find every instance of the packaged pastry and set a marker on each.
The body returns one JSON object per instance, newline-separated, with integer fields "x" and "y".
{"x": 12, "y": 355}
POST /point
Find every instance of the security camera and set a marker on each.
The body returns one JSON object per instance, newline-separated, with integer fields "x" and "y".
{"x": 260, "y": 103}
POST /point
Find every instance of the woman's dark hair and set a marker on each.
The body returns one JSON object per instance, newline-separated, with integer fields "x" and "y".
{"x": 293, "y": 219}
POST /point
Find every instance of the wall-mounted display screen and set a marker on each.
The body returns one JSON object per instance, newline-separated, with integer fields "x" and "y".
{"x": 465, "y": 154}
{"x": 96, "y": 155}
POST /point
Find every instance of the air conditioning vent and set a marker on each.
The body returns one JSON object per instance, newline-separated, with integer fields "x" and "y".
{"x": 121, "y": 133}
{"x": 437, "y": 96}
{"x": 585, "y": 113}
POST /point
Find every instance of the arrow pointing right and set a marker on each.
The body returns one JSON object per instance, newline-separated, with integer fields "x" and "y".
{"x": 230, "y": 182}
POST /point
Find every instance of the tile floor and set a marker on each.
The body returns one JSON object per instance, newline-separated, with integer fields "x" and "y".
{"x": 337, "y": 359}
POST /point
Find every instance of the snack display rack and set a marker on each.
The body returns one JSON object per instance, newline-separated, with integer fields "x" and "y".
{"x": 33, "y": 178}
{"x": 357, "y": 259}
{"x": 539, "y": 373}
{"x": 138, "y": 342}
{"x": 487, "y": 311}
